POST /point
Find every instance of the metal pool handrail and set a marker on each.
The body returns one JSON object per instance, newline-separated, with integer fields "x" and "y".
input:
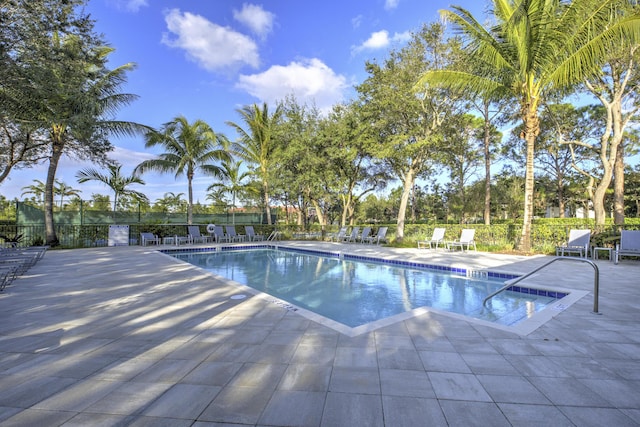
{"x": 596, "y": 280}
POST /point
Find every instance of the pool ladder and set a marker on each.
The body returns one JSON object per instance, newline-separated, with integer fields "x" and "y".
{"x": 596, "y": 280}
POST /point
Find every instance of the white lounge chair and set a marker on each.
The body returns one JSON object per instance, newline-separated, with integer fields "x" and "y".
{"x": 195, "y": 236}
{"x": 275, "y": 235}
{"x": 436, "y": 238}
{"x": 578, "y": 243}
{"x": 351, "y": 237}
{"x": 251, "y": 234}
{"x": 338, "y": 237}
{"x": 381, "y": 236}
{"x": 466, "y": 239}
{"x": 366, "y": 233}
{"x": 629, "y": 244}
{"x": 149, "y": 238}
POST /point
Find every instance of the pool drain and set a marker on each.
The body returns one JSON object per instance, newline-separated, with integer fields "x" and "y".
{"x": 239, "y": 296}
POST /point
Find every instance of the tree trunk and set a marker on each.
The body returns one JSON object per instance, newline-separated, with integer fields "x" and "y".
{"x": 267, "y": 208}
{"x": 598, "y": 199}
{"x": 345, "y": 215}
{"x": 487, "y": 166}
{"x": 404, "y": 200}
{"x": 321, "y": 219}
{"x": 531, "y": 129}
{"x": 190, "y": 204}
{"x": 561, "y": 203}
{"x": 618, "y": 186}
{"x": 56, "y": 152}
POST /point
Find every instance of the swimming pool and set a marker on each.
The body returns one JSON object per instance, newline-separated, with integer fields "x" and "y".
{"x": 355, "y": 291}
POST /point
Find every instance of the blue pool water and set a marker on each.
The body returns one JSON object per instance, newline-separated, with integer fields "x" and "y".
{"x": 355, "y": 292}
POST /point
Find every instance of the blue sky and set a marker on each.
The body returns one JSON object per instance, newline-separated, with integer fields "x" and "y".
{"x": 206, "y": 58}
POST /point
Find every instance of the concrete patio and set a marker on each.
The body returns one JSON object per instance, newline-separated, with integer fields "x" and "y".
{"x": 129, "y": 336}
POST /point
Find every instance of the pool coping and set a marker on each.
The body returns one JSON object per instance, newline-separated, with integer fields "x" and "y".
{"x": 523, "y": 328}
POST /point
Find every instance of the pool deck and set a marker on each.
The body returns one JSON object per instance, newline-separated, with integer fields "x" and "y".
{"x": 129, "y": 336}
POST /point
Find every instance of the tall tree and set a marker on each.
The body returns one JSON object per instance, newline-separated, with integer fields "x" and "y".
{"x": 257, "y": 144}
{"x": 349, "y": 151}
{"x": 189, "y": 147}
{"x": 618, "y": 90}
{"x": 562, "y": 122}
{"x": 67, "y": 92}
{"x": 22, "y": 144}
{"x": 492, "y": 111}
{"x": 406, "y": 121}
{"x": 116, "y": 181}
{"x": 232, "y": 183}
{"x": 463, "y": 157}
{"x": 532, "y": 49}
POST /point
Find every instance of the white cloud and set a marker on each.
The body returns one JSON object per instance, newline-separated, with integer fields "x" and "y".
{"x": 381, "y": 40}
{"x": 256, "y": 18}
{"x": 391, "y": 4}
{"x": 211, "y": 46}
{"x": 357, "y": 21}
{"x": 310, "y": 81}
{"x": 130, "y": 5}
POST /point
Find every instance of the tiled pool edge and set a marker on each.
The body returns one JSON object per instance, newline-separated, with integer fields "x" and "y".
{"x": 469, "y": 272}
{"x": 524, "y": 328}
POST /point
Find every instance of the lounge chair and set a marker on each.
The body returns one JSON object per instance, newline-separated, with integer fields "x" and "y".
{"x": 275, "y": 235}
{"x": 436, "y": 238}
{"x": 466, "y": 239}
{"x": 578, "y": 243}
{"x": 340, "y": 235}
{"x": 381, "y": 236}
{"x": 7, "y": 274}
{"x": 195, "y": 236}
{"x": 366, "y": 233}
{"x": 629, "y": 244}
{"x": 251, "y": 234}
{"x": 218, "y": 234}
{"x": 351, "y": 237}
{"x": 149, "y": 238}
{"x": 232, "y": 235}
{"x": 16, "y": 261}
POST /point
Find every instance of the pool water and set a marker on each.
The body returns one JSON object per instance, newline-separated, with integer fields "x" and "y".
{"x": 354, "y": 292}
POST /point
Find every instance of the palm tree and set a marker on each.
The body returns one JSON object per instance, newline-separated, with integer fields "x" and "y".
{"x": 533, "y": 49}
{"x": 190, "y": 147}
{"x": 79, "y": 117}
{"x": 232, "y": 183}
{"x": 37, "y": 189}
{"x": 171, "y": 202}
{"x": 257, "y": 144}
{"x": 114, "y": 180}
{"x": 63, "y": 190}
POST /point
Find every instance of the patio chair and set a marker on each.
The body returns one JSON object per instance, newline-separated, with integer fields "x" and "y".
{"x": 251, "y": 234}
{"x": 7, "y": 274}
{"x": 275, "y": 235}
{"x": 629, "y": 244}
{"x": 381, "y": 236}
{"x": 366, "y": 233}
{"x": 195, "y": 236}
{"x": 351, "y": 237}
{"x": 149, "y": 238}
{"x": 578, "y": 243}
{"x": 340, "y": 235}
{"x": 466, "y": 239}
{"x": 232, "y": 235}
{"x": 436, "y": 238}
{"x": 218, "y": 234}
